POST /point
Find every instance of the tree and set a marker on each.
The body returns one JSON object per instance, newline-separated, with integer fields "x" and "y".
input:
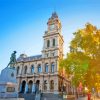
{"x": 83, "y": 60}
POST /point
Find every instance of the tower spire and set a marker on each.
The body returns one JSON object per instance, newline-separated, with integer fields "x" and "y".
{"x": 54, "y": 15}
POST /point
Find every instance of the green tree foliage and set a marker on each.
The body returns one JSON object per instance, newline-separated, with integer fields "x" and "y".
{"x": 83, "y": 60}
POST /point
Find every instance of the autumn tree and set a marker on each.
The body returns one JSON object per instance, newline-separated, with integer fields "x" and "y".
{"x": 83, "y": 60}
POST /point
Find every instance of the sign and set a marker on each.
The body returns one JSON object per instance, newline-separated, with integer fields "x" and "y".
{"x": 10, "y": 89}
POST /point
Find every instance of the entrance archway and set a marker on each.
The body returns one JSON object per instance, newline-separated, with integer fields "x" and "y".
{"x": 51, "y": 85}
{"x": 45, "y": 85}
{"x": 23, "y": 86}
{"x": 37, "y": 85}
{"x": 30, "y": 86}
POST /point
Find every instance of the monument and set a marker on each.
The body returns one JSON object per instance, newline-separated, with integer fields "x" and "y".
{"x": 8, "y": 82}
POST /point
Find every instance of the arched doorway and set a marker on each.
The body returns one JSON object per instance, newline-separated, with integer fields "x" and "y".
{"x": 45, "y": 85}
{"x": 23, "y": 86}
{"x": 60, "y": 85}
{"x": 37, "y": 85}
{"x": 52, "y": 85}
{"x": 30, "y": 86}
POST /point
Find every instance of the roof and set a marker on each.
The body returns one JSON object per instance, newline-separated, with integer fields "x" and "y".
{"x": 53, "y": 16}
{"x": 31, "y": 58}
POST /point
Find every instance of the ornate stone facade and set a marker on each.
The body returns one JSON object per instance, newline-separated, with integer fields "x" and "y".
{"x": 41, "y": 72}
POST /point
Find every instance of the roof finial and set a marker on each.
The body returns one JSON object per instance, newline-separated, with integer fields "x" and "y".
{"x": 54, "y": 15}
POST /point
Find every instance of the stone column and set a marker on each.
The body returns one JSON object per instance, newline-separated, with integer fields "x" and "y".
{"x": 57, "y": 41}
{"x": 22, "y": 68}
{"x": 45, "y": 42}
{"x": 56, "y": 66}
{"x": 43, "y": 82}
{"x": 48, "y": 86}
{"x": 28, "y": 69}
{"x": 49, "y": 66}
{"x": 56, "y": 85}
{"x": 19, "y": 83}
{"x": 35, "y": 67}
{"x": 43, "y": 67}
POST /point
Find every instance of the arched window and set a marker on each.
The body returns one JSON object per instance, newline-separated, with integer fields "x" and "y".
{"x": 53, "y": 42}
{"x": 32, "y": 69}
{"x": 48, "y": 43}
{"x": 25, "y": 70}
{"x": 17, "y": 70}
{"x": 23, "y": 86}
{"x": 30, "y": 86}
{"x": 39, "y": 69}
{"x": 52, "y": 67}
{"x": 46, "y": 67}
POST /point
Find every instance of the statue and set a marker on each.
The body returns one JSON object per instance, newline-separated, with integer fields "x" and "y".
{"x": 8, "y": 81}
{"x": 12, "y": 59}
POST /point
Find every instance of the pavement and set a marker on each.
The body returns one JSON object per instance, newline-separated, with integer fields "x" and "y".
{"x": 82, "y": 98}
{"x": 37, "y": 97}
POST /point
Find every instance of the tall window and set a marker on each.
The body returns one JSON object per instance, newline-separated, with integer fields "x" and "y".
{"x": 39, "y": 69}
{"x": 53, "y": 42}
{"x": 25, "y": 71}
{"x": 46, "y": 68}
{"x": 48, "y": 43}
{"x": 17, "y": 70}
{"x": 32, "y": 69}
{"x": 52, "y": 67}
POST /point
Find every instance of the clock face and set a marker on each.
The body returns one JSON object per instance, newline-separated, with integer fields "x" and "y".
{"x": 52, "y": 26}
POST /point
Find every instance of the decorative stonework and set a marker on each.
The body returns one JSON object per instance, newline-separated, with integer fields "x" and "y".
{"x": 45, "y": 75}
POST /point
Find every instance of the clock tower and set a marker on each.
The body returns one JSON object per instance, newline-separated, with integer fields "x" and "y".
{"x": 42, "y": 72}
{"x": 53, "y": 39}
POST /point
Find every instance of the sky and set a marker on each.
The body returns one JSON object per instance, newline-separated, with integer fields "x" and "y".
{"x": 23, "y": 23}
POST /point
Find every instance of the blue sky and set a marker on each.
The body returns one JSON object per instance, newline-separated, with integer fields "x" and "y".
{"x": 23, "y": 22}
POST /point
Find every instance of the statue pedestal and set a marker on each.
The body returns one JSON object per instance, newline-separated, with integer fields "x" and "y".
{"x": 8, "y": 83}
